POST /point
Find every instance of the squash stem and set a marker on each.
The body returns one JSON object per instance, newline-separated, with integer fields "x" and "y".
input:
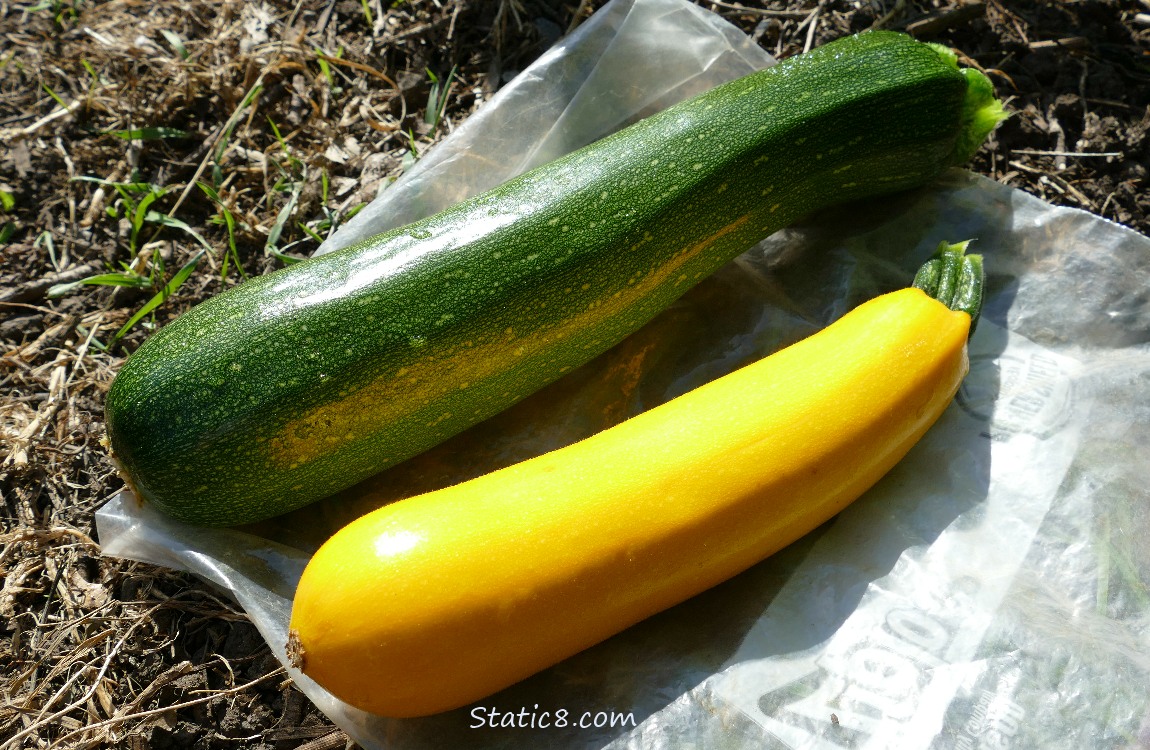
{"x": 955, "y": 279}
{"x": 981, "y": 110}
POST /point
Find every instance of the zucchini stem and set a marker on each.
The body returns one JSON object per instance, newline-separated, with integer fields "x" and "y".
{"x": 981, "y": 111}
{"x": 955, "y": 279}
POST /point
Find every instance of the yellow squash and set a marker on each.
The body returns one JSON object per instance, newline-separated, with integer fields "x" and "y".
{"x": 436, "y": 601}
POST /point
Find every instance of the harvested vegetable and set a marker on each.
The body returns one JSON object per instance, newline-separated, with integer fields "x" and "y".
{"x": 439, "y": 600}
{"x": 302, "y": 382}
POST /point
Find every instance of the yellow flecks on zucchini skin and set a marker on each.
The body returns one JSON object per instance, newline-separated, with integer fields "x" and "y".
{"x": 391, "y": 400}
{"x": 575, "y": 254}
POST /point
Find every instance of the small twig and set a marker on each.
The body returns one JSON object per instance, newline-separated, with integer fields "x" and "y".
{"x": 894, "y": 12}
{"x": 101, "y": 38}
{"x": 13, "y": 133}
{"x": 1113, "y": 103}
{"x": 1055, "y": 127}
{"x": 36, "y": 308}
{"x": 808, "y": 16}
{"x": 1038, "y": 152}
{"x": 21, "y": 444}
{"x": 939, "y": 22}
{"x": 174, "y": 707}
{"x": 16, "y": 118}
{"x": 811, "y": 33}
{"x": 324, "y": 17}
{"x": 36, "y": 288}
{"x": 417, "y": 30}
{"x": 1106, "y": 203}
{"x": 810, "y": 23}
{"x": 1074, "y": 192}
{"x": 169, "y": 675}
{"x": 454, "y": 18}
{"x": 1069, "y": 43}
{"x": 1045, "y": 178}
{"x": 1026, "y": 167}
{"x": 362, "y": 68}
{"x": 579, "y": 16}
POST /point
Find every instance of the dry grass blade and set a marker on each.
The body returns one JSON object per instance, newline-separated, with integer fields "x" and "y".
{"x": 42, "y": 721}
{"x": 103, "y": 726}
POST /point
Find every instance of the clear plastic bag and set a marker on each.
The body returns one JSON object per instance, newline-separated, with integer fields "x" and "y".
{"x": 990, "y": 592}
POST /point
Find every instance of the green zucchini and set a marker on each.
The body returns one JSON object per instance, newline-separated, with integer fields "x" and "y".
{"x": 302, "y": 382}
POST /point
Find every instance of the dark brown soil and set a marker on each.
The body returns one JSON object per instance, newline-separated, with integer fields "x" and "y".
{"x": 96, "y": 651}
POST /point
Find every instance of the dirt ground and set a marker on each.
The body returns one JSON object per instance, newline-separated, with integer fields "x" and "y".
{"x": 133, "y": 136}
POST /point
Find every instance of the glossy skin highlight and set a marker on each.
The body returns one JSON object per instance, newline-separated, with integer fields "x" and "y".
{"x": 300, "y": 383}
{"x": 437, "y": 601}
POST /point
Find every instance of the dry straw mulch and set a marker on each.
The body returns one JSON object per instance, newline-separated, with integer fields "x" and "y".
{"x": 140, "y": 138}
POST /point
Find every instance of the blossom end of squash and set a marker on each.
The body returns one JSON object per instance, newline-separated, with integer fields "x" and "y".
{"x": 295, "y": 650}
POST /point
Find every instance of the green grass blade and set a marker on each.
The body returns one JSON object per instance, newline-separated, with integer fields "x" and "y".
{"x": 161, "y": 296}
{"x": 54, "y": 95}
{"x": 140, "y": 214}
{"x": 230, "y": 222}
{"x": 211, "y": 192}
{"x": 121, "y": 187}
{"x": 91, "y": 72}
{"x": 310, "y": 232}
{"x": 272, "y": 245}
{"x": 437, "y": 98}
{"x": 324, "y": 67}
{"x": 115, "y": 278}
{"x": 230, "y": 125}
{"x": 156, "y": 217}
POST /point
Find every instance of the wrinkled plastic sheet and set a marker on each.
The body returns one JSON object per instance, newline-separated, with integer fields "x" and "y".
{"x": 990, "y": 592}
